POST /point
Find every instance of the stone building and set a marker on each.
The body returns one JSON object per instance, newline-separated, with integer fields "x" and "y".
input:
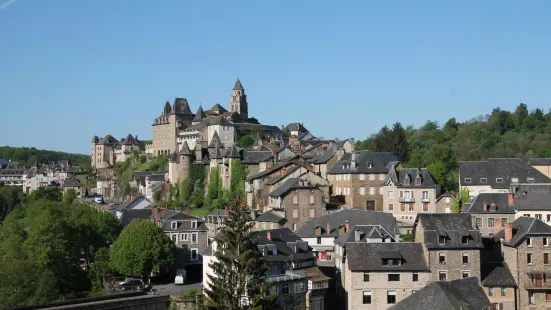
{"x": 445, "y": 202}
{"x": 359, "y": 176}
{"x": 491, "y": 211}
{"x": 451, "y": 243}
{"x": 107, "y": 151}
{"x": 408, "y": 192}
{"x": 525, "y": 246}
{"x": 499, "y": 285}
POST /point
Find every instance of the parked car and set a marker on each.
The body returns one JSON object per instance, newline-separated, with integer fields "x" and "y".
{"x": 180, "y": 276}
{"x": 132, "y": 285}
{"x": 98, "y": 200}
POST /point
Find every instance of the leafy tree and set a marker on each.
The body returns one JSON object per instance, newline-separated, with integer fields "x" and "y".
{"x": 245, "y": 142}
{"x": 238, "y": 174}
{"x": 286, "y": 132}
{"x": 69, "y": 196}
{"x": 101, "y": 270}
{"x": 29, "y": 156}
{"x": 143, "y": 159}
{"x": 238, "y": 267}
{"x": 214, "y": 191}
{"x": 142, "y": 248}
{"x": 47, "y": 193}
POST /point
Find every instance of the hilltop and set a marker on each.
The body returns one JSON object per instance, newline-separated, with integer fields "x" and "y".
{"x": 27, "y": 156}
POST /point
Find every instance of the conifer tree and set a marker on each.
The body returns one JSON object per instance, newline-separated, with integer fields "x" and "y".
{"x": 239, "y": 273}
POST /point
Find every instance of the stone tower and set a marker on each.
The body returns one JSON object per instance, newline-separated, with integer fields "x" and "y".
{"x": 238, "y": 101}
{"x": 185, "y": 162}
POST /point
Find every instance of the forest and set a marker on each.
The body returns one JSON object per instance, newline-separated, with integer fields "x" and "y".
{"x": 28, "y": 156}
{"x": 521, "y": 133}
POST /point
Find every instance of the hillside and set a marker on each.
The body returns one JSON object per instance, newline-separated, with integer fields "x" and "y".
{"x": 28, "y": 156}
{"x": 520, "y": 133}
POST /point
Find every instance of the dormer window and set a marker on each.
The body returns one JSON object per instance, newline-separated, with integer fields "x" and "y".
{"x": 441, "y": 240}
{"x": 174, "y": 225}
{"x": 369, "y": 165}
{"x": 530, "y": 180}
{"x": 465, "y": 240}
{"x": 467, "y": 180}
{"x": 193, "y": 224}
{"x": 514, "y": 180}
{"x": 274, "y": 251}
{"x": 407, "y": 180}
{"x": 499, "y": 180}
{"x": 483, "y": 180}
{"x": 418, "y": 180}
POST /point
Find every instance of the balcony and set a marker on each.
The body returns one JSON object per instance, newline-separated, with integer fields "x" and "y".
{"x": 407, "y": 199}
{"x": 538, "y": 281}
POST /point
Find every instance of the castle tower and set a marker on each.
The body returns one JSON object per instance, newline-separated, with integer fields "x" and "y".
{"x": 95, "y": 141}
{"x": 185, "y": 162}
{"x": 238, "y": 101}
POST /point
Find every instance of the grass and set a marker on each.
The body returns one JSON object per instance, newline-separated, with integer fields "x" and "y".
{"x": 199, "y": 212}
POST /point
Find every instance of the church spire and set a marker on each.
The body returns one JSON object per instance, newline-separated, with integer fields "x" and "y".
{"x": 238, "y": 85}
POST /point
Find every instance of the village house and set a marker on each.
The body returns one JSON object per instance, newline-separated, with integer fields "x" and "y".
{"x": 270, "y": 219}
{"x": 359, "y": 176}
{"x": 72, "y": 183}
{"x": 407, "y": 192}
{"x": 451, "y": 244}
{"x": 533, "y": 200}
{"x": 499, "y": 286}
{"x": 525, "y": 246}
{"x": 445, "y": 202}
{"x": 491, "y": 211}
{"x": 107, "y": 151}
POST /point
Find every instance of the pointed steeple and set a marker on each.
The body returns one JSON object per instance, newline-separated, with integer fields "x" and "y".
{"x": 215, "y": 141}
{"x": 216, "y": 154}
{"x": 185, "y": 149}
{"x": 232, "y": 152}
{"x": 181, "y": 106}
{"x": 238, "y": 85}
{"x": 167, "y": 109}
{"x": 200, "y": 114}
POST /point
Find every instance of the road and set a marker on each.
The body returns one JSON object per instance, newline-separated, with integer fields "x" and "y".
{"x": 172, "y": 289}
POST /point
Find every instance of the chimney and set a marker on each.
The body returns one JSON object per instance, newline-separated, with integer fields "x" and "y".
{"x": 165, "y": 212}
{"x": 269, "y": 235}
{"x": 347, "y": 226}
{"x": 328, "y": 228}
{"x": 508, "y": 232}
{"x": 485, "y": 206}
{"x": 351, "y": 140}
{"x": 497, "y": 226}
{"x": 274, "y": 154}
{"x": 227, "y": 209}
{"x": 259, "y": 207}
{"x": 298, "y": 127}
{"x": 282, "y": 127}
{"x": 284, "y": 171}
{"x": 357, "y": 235}
{"x": 510, "y": 200}
{"x": 253, "y": 214}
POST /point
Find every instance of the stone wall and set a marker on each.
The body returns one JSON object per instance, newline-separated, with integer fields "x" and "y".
{"x": 454, "y": 264}
{"x": 350, "y": 186}
{"x": 303, "y": 207}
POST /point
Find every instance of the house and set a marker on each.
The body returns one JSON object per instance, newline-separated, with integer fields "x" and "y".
{"x": 360, "y": 176}
{"x": 496, "y": 175}
{"x": 72, "y": 183}
{"x": 269, "y": 220}
{"x": 491, "y": 211}
{"x": 128, "y": 215}
{"x": 533, "y": 200}
{"x": 445, "y": 202}
{"x": 318, "y": 286}
{"x": 138, "y": 202}
{"x": 298, "y": 200}
{"x": 543, "y": 165}
{"x": 13, "y": 174}
{"x": 321, "y": 233}
{"x": 407, "y": 192}
{"x": 215, "y": 221}
{"x": 499, "y": 286}
{"x": 326, "y": 157}
{"x": 457, "y": 294}
{"x": 525, "y": 246}
{"x": 379, "y": 275}
{"x": 451, "y": 243}
{"x": 107, "y": 151}
{"x": 189, "y": 234}
{"x": 295, "y": 129}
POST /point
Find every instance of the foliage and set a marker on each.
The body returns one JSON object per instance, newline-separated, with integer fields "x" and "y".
{"x": 10, "y": 198}
{"x": 101, "y": 270}
{"x": 47, "y": 193}
{"x": 286, "y": 132}
{"x": 501, "y": 134}
{"x": 245, "y": 142}
{"x": 142, "y": 248}
{"x": 69, "y": 196}
{"x": 29, "y": 156}
{"x": 238, "y": 174}
{"x": 239, "y": 267}
{"x": 143, "y": 159}
{"x": 457, "y": 204}
{"x": 215, "y": 198}
{"x": 407, "y": 238}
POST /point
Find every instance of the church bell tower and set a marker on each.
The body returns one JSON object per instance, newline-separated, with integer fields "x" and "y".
{"x": 238, "y": 101}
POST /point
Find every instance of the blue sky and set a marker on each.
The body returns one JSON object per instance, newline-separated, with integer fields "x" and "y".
{"x": 73, "y": 69}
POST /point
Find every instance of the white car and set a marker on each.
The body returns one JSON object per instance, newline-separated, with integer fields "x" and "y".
{"x": 180, "y": 276}
{"x": 97, "y": 200}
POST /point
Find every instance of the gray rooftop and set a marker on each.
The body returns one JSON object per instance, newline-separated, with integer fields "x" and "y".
{"x": 365, "y": 256}
{"x": 363, "y": 162}
{"x": 411, "y": 177}
{"x": 451, "y": 228}
{"x": 496, "y": 275}
{"x": 496, "y": 203}
{"x": 524, "y": 227}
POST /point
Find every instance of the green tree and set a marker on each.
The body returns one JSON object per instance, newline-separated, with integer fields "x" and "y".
{"x": 142, "y": 248}
{"x": 245, "y": 142}
{"x": 101, "y": 271}
{"x": 69, "y": 196}
{"x": 214, "y": 190}
{"x": 239, "y": 268}
{"x": 47, "y": 193}
{"x": 238, "y": 174}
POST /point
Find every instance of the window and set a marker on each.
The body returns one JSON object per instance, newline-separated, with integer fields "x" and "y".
{"x": 390, "y": 194}
{"x": 499, "y": 180}
{"x": 174, "y": 225}
{"x": 174, "y": 237}
{"x": 367, "y": 298}
{"x": 465, "y": 258}
{"x": 312, "y": 213}
{"x": 464, "y": 239}
{"x": 526, "y": 215}
{"x": 479, "y": 222}
{"x": 442, "y": 275}
{"x": 546, "y": 258}
{"x": 295, "y": 199}
{"x": 410, "y": 207}
{"x": 299, "y": 287}
{"x": 366, "y": 277}
{"x": 529, "y": 241}
{"x": 318, "y": 241}
{"x": 538, "y": 216}
{"x": 467, "y": 180}
{"x": 362, "y": 177}
{"x": 425, "y": 195}
{"x": 425, "y": 207}
{"x": 392, "y": 277}
{"x": 371, "y": 177}
{"x": 529, "y": 258}
{"x": 286, "y": 289}
{"x": 362, "y": 190}
{"x": 348, "y": 190}
{"x": 532, "y": 298}
{"x": 193, "y": 224}
{"x": 483, "y": 180}
{"x": 490, "y": 222}
{"x": 295, "y": 214}
{"x": 490, "y": 291}
{"x": 503, "y": 291}
{"x": 441, "y": 240}
{"x": 514, "y": 180}
{"x": 194, "y": 255}
{"x": 503, "y": 221}
{"x": 294, "y": 226}
{"x": 390, "y": 207}
{"x": 465, "y": 274}
{"x": 548, "y": 296}
{"x": 403, "y": 207}
{"x": 312, "y": 199}
{"x": 391, "y": 297}
{"x": 442, "y": 258}
{"x": 183, "y": 237}
{"x": 372, "y": 191}
{"x": 545, "y": 241}
{"x": 548, "y": 217}
{"x": 415, "y": 277}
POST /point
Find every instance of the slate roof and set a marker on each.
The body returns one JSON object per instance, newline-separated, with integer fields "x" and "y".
{"x": 219, "y": 108}
{"x": 464, "y": 294}
{"x": 452, "y": 227}
{"x": 288, "y": 185}
{"x": 216, "y": 153}
{"x": 373, "y": 231}
{"x": 174, "y": 158}
{"x": 156, "y": 177}
{"x": 185, "y": 149}
{"x": 365, "y": 256}
{"x": 130, "y": 204}
{"x": 134, "y": 214}
{"x": 232, "y": 152}
{"x": 278, "y": 178}
{"x": 108, "y": 140}
{"x": 130, "y": 140}
{"x": 540, "y": 161}
{"x": 446, "y": 194}
{"x": 496, "y": 275}
{"x": 184, "y": 221}
{"x": 494, "y": 168}
{"x": 497, "y": 203}
{"x": 181, "y": 106}
{"x": 284, "y": 240}
{"x": 95, "y": 139}
{"x": 365, "y": 162}
{"x": 266, "y": 172}
{"x": 200, "y": 115}
{"x": 325, "y": 156}
{"x": 270, "y": 217}
{"x": 533, "y": 197}
{"x": 524, "y": 227}
{"x": 398, "y": 177}
{"x": 218, "y": 120}
{"x": 296, "y": 127}
{"x": 238, "y": 85}
{"x": 251, "y": 156}
{"x": 354, "y": 217}
{"x": 215, "y": 140}
{"x": 71, "y": 181}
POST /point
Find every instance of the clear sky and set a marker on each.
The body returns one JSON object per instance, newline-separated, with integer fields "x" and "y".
{"x": 73, "y": 69}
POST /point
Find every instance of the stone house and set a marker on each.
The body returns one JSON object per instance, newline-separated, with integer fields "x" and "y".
{"x": 215, "y": 221}
{"x": 532, "y": 200}
{"x": 189, "y": 234}
{"x": 296, "y": 129}
{"x": 444, "y": 203}
{"x": 271, "y": 219}
{"x": 408, "y": 192}
{"x": 360, "y": 176}
{"x": 324, "y": 157}
{"x": 499, "y": 286}
{"x": 379, "y": 275}
{"x": 525, "y": 246}
{"x": 496, "y": 175}
{"x": 179, "y": 164}
{"x": 451, "y": 244}
{"x": 107, "y": 151}
{"x": 318, "y": 286}
{"x": 490, "y": 212}
{"x": 167, "y": 126}
{"x": 298, "y": 200}
{"x": 72, "y": 183}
